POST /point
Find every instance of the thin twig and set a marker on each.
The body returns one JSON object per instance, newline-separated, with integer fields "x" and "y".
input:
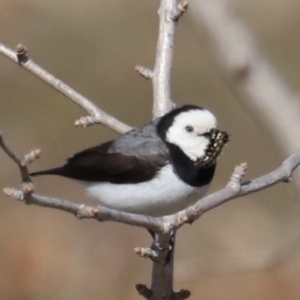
{"x": 21, "y": 57}
{"x": 144, "y": 291}
{"x": 144, "y": 72}
{"x": 27, "y": 185}
{"x": 146, "y": 253}
{"x": 182, "y": 294}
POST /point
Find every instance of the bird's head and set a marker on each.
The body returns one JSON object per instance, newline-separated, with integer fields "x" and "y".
{"x": 193, "y": 130}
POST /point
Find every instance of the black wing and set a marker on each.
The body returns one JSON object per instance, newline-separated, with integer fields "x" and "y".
{"x": 132, "y": 158}
{"x": 98, "y": 164}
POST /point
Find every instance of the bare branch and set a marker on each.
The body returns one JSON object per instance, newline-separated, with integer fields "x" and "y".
{"x": 169, "y": 14}
{"x": 144, "y": 72}
{"x": 84, "y": 122}
{"x": 27, "y": 185}
{"x": 182, "y": 294}
{"x": 144, "y": 291}
{"x": 181, "y": 9}
{"x": 162, "y": 102}
{"x": 281, "y": 174}
{"x": 163, "y": 270}
{"x": 31, "y": 157}
{"x": 237, "y": 176}
{"x": 21, "y": 57}
{"x": 81, "y": 211}
{"x": 146, "y": 253}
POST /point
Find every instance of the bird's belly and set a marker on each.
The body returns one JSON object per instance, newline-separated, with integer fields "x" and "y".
{"x": 163, "y": 195}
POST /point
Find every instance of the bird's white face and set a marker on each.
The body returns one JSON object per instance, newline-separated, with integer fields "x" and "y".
{"x": 190, "y": 132}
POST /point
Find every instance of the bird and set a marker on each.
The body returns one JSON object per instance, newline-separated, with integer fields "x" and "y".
{"x": 156, "y": 169}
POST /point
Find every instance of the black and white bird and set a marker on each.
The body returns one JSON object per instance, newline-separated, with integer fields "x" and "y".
{"x": 156, "y": 169}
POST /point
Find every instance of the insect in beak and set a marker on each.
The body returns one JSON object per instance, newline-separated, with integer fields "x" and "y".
{"x": 218, "y": 139}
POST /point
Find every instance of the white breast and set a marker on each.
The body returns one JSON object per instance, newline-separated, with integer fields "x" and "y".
{"x": 163, "y": 195}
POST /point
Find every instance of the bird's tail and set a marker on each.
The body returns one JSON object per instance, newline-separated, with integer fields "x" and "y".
{"x": 54, "y": 171}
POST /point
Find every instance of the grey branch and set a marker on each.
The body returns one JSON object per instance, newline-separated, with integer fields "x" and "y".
{"x": 144, "y": 72}
{"x": 143, "y": 290}
{"x": 27, "y": 184}
{"x": 162, "y": 102}
{"x": 101, "y": 117}
{"x": 146, "y": 253}
{"x": 162, "y": 273}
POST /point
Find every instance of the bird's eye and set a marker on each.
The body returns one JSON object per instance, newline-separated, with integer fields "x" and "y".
{"x": 189, "y": 128}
